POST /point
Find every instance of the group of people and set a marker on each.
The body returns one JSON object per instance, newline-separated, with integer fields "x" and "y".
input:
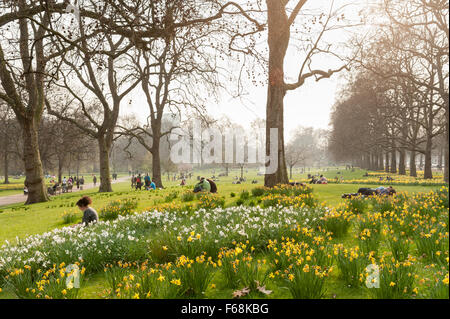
{"x": 205, "y": 185}
{"x": 138, "y": 181}
{"x": 66, "y": 184}
{"x": 379, "y": 191}
{"x": 318, "y": 180}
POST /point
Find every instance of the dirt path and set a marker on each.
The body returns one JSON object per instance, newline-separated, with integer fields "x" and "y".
{"x": 20, "y": 198}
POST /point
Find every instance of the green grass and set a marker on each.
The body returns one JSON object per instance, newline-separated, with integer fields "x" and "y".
{"x": 18, "y": 220}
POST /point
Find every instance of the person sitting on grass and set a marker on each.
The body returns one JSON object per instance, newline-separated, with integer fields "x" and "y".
{"x": 89, "y": 214}
{"x": 152, "y": 185}
{"x": 385, "y": 190}
{"x": 202, "y": 186}
{"x": 322, "y": 180}
{"x": 213, "y": 186}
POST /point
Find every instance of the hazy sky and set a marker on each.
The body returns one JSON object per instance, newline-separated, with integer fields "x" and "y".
{"x": 309, "y": 105}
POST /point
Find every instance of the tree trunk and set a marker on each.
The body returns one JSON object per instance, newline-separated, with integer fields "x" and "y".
{"x": 446, "y": 159}
{"x": 34, "y": 175}
{"x": 5, "y": 161}
{"x": 412, "y": 164}
{"x": 156, "y": 163}
{"x": 393, "y": 160}
{"x": 428, "y": 174}
{"x": 446, "y": 148}
{"x": 386, "y": 165}
{"x": 380, "y": 162}
{"x": 105, "y": 182}
{"x": 290, "y": 171}
{"x": 278, "y": 40}
{"x": 401, "y": 163}
{"x": 60, "y": 166}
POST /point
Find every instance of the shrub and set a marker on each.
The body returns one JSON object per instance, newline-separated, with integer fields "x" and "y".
{"x": 396, "y": 279}
{"x": 383, "y": 204}
{"x": 232, "y": 194}
{"x": 244, "y": 195}
{"x": 69, "y": 217}
{"x": 442, "y": 193}
{"x": 118, "y": 207}
{"x": 399, "y": 247}
{"x": 170, "y": 197}
{"x": 193, "y": 276}
{"x": 54, "y": 283}
{"x": 337, "y": 221}
{"x": 358, "y": 204}
{"x": 285, "y": 201}
{"x": 210, "y": 201}
{"x": 258, "y": 191}
{"x": 440, "y": 290}
{"x": 288, "y": 190}
{"x": 351, "y": 263}
{"x": 303, "y": 266}
{"x": 187, "y": 196}
{"x": 368, "y": 241}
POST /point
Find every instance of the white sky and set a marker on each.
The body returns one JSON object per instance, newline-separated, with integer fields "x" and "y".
{"x": 309, "y": 105}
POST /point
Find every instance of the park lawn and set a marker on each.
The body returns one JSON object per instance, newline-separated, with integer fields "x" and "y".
{"x": 18, "y": 220}
{"x": 9, "y": 192}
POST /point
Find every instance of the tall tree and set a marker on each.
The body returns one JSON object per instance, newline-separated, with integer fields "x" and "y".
{"x": 24, "y": 82}
{"x": 280, "y": 22}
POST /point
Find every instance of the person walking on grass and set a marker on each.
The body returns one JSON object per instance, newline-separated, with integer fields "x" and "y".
{"x": 89, "y": 214}
{"x": 94, "y": 180}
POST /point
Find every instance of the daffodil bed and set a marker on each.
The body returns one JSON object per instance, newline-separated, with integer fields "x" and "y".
{"x": 290, "y": 248}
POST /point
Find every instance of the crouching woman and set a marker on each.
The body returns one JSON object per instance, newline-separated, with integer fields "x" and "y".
{"x": 89, "y": 214}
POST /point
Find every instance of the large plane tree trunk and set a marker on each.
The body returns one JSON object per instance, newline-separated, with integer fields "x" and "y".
{"x": 34, "y": 175}
{"x": 278, "y": 40}
{"x": 394, "y": 159}
{"x": 412, "y": 164}
{"x": 6, "y": 160}
{"x": 446, "y": 148}
{"x": 105, "y": 181}
{"x": 401, "y": 162}
{"x": 428, "y": 174}
{"x": 386, "y": 165}
{"x": 156, "y": 160}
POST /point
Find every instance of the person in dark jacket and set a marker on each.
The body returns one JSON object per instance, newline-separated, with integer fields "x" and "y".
{"x": 89, "y": 214}
{"x": 367, "y": 191}
{"x": 213, "y": 186}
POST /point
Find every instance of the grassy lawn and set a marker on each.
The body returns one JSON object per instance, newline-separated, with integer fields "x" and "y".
{"x": 20, "y": 221}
